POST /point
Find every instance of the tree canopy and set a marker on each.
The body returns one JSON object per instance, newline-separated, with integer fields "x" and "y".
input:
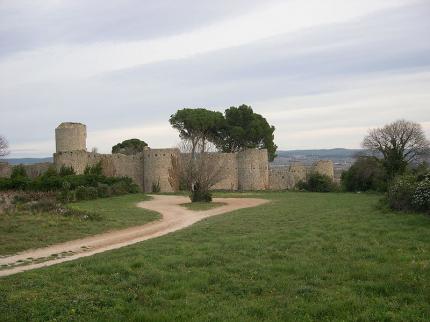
{"x": 198, "y": 126}
{"x": 129, "y": 147}
{"x": 239, "y": 129}
{"x": 245, "y": 129}
{"x": 399, "y": 144}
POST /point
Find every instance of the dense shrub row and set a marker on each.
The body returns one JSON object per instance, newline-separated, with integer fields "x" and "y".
{"x": 409, "y": 193}
{"x": 366, "y": 174}
{"x": 70, "y": 187}
{"x": 317, "y": 183}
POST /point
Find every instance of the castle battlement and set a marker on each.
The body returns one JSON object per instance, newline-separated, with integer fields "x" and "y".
{"x": 244, "y": 170}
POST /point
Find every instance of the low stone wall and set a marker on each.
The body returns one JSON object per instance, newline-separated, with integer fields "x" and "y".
{"x": 32, "y": 170}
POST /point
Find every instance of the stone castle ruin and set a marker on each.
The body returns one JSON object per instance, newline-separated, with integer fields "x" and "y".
{"x": 245, "y": 170}
{"x": 242, "y": 171}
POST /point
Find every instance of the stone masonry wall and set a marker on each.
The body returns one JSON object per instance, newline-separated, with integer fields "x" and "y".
{"x": 324, "y": 167}
{"x": 78, "y": 160}
{"x": 115, "y": 165}
{"x": 247, "y": 170}
{"x": 5, "y": 170}
{"x": 227, "y": 163}
{"x": 286, "y": 177}
{"x": 253, "y": 170}
{"x": 70, "y": 137}
{"x": 157, "y": 166}
{"x": 32, "y": 170}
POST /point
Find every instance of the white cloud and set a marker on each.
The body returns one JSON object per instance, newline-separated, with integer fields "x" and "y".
{"x": 341, "y": 118}
{"x": 80, "y": 61}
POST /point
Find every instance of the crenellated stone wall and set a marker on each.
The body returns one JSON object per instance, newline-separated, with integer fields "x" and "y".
{"x": 245, "y": 170}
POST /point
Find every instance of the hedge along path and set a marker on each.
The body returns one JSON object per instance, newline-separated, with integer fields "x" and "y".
{"x": 173, "y": 217}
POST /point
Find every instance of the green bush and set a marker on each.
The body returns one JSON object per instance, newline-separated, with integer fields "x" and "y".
{"x": 200, "y": 196}
{"x": 18, "y": 171}
{"x": 66, "y": 171}
{"x": 317, "y": 183}
{"x": 120, "y": 188}
{"x": 46, "y": 182}
{"x": 17, "y": 183}
{"x": 421, "y": 196}
{"x": 367, "y": 173}
{"x": 94, "y": 169}
{"x": 86, "y": 193}
{"x": 401, "y": 191}
{"x": 104, "y": 190}
{"x": 70, "y": 187}
{"x": 66, "y": 195}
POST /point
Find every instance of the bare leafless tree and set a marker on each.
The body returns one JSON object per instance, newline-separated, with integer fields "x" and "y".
{"x": 201, "y": 172}
{"x": 4, "y": 146}
{"x": 399, "y": 143}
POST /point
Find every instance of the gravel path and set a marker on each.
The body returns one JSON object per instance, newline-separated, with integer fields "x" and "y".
{"x": 174, "y": 217}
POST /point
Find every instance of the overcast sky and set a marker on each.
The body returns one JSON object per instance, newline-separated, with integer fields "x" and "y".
{"x": 322, "y": 72}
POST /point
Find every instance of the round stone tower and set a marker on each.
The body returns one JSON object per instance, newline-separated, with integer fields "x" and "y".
{"x": 158, "y": 170}
{"x": 324, "y": 167}
{"x": 253, "y": 169}
{"x": 71, "y": 137}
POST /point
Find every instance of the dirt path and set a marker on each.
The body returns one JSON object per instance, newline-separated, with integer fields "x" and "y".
{"x": 174, "y": 217}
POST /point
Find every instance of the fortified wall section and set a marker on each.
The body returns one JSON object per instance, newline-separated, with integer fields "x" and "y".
{"x": 114, "y": 165}
{"x": 32, "y": 170}
{"x": 159, "y": 170}
{"x": 324, "y": 167}
{"x": 227, "y": 171}
{"x": 286, "y": 177}
{"x": 253, "y": 169}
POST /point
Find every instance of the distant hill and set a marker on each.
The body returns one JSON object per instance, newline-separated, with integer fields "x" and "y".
{"x": 335, "y": 154}
{"x": 342, "y": 158}
{"x": 27, "y": 160}
{"x": 322, "y": 153}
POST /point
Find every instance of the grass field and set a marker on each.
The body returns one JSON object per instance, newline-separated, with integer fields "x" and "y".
{"x": 302, "y": 257}
{"x": 23, "y": 230}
